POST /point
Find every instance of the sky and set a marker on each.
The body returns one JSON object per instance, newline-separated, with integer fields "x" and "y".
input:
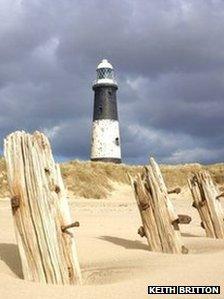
{"x": 168, "y": 57}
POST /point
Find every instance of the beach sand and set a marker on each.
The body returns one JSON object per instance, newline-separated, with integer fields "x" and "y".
{"x": 114, "y": 259}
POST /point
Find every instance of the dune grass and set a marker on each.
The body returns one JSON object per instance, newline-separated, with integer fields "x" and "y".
{"x": 4, "y": 192}
{"x": 95, "y": 179}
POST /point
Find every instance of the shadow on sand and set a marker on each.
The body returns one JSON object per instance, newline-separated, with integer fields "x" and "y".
{"x": 128, "y": 244}
{"x": 190, "y": 235}
{"x": 9, "y": 253}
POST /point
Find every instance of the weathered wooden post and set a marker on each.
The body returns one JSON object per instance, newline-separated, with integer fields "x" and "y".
{"x": 206, "y": 199}
{"x": 160, "y": 222}
{"x": 40, "y": 211}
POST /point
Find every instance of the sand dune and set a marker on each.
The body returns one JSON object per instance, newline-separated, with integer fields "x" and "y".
{"x": 115, "y": 261}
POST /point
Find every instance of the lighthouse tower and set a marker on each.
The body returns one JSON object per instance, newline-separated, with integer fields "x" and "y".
{"x": 105, "y": 144}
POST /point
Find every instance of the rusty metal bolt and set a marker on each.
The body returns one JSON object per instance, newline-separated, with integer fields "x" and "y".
{"x": 202, "y": 225}
{"x": 184, "y": 219}
{"x": 15, "y": 203}
{"x": 74, "y": 224}
{"x": 175, "y": 224}
{"x": 145, "y": 206}
{"x": 47, "y": 170}
{"x": 184, "y": 250}
{"x": 64, "y": 228}
{"x": 141, "y": 231}
{"x": 176, "y": 190}
{"x": 57, "y": 189}
{"x": 220, "y": 195}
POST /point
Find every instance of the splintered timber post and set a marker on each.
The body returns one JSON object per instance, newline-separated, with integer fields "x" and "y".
{"x": 206, "y": 199}
{"x": 40, "y": 210}
{"x": 160, "y": 222}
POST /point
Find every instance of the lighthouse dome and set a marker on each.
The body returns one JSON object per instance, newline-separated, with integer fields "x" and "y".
{"x": 104, "y": 74}
{"x": 104, "y": 64}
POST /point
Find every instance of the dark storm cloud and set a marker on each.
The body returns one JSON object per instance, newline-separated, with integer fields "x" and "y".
{"x": 169, "y": 60}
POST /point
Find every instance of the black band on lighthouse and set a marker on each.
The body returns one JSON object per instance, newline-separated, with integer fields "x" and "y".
{"x": 105, "y": 102}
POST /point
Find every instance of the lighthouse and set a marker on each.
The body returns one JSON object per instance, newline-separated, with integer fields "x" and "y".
{"x": 105, "y": 145}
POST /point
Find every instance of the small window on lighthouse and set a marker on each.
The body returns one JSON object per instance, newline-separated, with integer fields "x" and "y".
{"x": 117, "y": 141}
{"x": 100, "y": 109}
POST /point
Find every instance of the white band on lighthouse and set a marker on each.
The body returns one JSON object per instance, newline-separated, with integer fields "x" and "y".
{"x": 105, "y": 139}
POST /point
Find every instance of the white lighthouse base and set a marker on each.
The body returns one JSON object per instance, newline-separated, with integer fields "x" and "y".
{"x": 106, "y": 141}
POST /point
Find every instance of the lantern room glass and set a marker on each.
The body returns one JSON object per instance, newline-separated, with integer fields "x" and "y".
{"x": 105, "y": 73}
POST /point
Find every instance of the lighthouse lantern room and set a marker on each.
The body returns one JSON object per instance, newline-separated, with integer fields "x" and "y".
{"x": 105, "y": 145}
